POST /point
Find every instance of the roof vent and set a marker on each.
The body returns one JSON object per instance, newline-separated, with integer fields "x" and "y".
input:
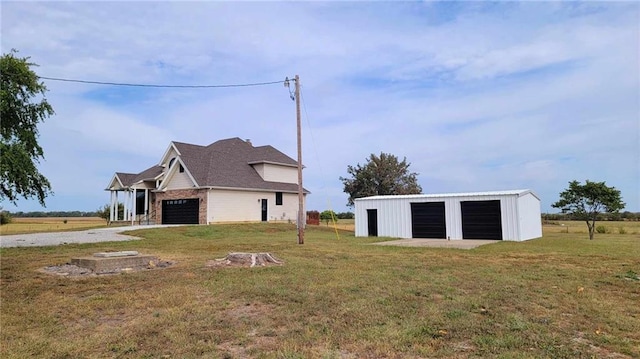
{"x": 248, "y": 140}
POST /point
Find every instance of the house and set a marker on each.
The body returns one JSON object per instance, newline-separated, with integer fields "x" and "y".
{"x": 227, "y": 181}
{"x": 512, "y": 215}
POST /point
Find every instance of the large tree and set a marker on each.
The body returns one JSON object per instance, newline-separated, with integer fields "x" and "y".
{"x": 381, "y": 175}
{"x": 585, "y": 201}
{"x": 24, "y": 106}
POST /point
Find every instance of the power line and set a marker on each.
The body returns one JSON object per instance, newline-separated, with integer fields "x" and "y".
{"x": 159, "y": 86}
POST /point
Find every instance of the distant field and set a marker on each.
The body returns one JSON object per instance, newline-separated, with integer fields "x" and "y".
{"x": 610, "y": 227}
{"x": 50, "y": 224}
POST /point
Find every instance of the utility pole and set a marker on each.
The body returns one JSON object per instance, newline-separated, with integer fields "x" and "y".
{"x": 301, "y": 214}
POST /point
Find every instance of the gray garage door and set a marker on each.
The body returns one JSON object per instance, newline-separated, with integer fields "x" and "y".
{"x": 481, "y": 220}
{"x": 180, "y": 211}
{"x": 427, "y": 220}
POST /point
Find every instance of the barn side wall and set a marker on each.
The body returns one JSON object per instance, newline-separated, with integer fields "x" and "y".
{"x": 529, "y": 217}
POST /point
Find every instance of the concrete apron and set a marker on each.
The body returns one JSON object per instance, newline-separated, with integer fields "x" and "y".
{"x": 440, "y": 243}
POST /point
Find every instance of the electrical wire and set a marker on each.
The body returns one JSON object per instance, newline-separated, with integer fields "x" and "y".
{"x": 159, "y": 86}
{"x": 315, "y": 147}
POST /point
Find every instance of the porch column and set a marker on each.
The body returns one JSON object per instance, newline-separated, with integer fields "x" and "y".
{"x": 127, "y": 206}
{"x": 146, "y": 204}
{"x": 134, "y": 200}
{"x": 111, "y": 210}
{"x": 117, "y": 207}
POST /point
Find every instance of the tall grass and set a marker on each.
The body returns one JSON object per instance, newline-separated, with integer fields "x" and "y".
{"x": 561, "y": 296}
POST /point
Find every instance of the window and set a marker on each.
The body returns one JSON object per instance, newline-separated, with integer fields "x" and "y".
{"x": 278, "y": 198}
{"x": 181, "y": 169}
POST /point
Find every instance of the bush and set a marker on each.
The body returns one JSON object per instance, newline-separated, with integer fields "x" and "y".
{"x": 621, "y": 230}
{"x": 5, "y": 217}
{"x": 601, "y": 229}
{"x": 328, "y": 216}
{"x": 345, "y": 215}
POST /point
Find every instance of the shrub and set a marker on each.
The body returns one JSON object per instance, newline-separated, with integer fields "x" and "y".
{"x": 621, "y": 230}
{"x": 601, "y": 229}
{"x": 5, "y": 217}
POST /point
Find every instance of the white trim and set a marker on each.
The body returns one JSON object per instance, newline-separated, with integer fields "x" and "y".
{"x": 517, "y": 192}
{"x": 273, "y": 163}
{"x": 253, "y": 189}
{"x": 111, "y": 187}
{"x": 166, "y": 153}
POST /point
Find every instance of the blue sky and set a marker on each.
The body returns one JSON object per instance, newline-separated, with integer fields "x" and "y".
{"x": 477, "y": 96}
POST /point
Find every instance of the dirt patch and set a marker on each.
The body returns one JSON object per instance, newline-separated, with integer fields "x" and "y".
{"x": 262, "y": 336}
{"x": 599, "y": 352}
{"x": 71, "y": 270}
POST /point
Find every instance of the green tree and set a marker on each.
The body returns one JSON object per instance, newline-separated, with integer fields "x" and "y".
{"x": 381, "y": 175}
{"x": 23, "y": 107}
{"x": 585, "y": 202}
{"x": 105, "y": 212}
{"x": 328, "y": 215}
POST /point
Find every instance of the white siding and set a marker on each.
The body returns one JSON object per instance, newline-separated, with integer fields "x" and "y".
{"x": 246, "y": 206}
{"x": 180, "y": 181}
{"x": 529, "y": 217}
{"x": 277, "y": 173}
{"x": 520, "y": 214}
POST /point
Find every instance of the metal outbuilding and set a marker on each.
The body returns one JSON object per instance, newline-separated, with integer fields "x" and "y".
{"x": 512, "y": 215}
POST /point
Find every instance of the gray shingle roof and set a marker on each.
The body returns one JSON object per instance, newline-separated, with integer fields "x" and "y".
{"x": 226, "y": 163}
{"x": 129, "y": 179}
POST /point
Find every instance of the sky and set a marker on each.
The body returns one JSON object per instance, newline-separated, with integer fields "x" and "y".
{"x": 477, "y": 96}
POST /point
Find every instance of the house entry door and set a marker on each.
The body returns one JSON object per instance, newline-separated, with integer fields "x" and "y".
{"x": 264, "y": 210}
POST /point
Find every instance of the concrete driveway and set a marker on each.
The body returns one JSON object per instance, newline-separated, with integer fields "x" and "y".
{"x": 109, "y": 234}
{"x": 441, "y": 243}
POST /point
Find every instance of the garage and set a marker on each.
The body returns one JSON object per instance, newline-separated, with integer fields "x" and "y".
{"x": 428, "y": 220}
{"x": 180, "y": 211}
{"x": 481, "y": 220}
{"x": 510, "y": 215}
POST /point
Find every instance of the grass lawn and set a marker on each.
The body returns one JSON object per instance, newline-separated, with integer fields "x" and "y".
{"x": 561, "y": 296}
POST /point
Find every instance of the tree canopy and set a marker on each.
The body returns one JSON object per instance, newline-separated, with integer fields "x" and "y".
{"x": 585, "y": 202}
{"x": 23, "y": 107}
{"x": 381, "y": 175}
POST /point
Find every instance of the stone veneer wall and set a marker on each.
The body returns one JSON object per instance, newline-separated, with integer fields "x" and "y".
{"x": 183, "y": 194}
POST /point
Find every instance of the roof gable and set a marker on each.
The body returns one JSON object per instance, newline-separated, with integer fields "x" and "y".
{"x": 171, "y": 173}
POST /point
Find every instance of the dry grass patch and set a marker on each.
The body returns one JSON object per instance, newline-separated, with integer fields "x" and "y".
{"x": 51, "y": 224}
{"x": 561, "y": 296}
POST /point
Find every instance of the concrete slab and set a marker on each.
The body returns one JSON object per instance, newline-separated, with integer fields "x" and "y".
{"x": 439, "y": 243}
{"x": 111, "y": 264}
{"x": 116, "y": 254}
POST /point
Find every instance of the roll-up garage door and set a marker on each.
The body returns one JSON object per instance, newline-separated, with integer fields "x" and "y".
{"x": 427, "y": 220}
{"x": 481, "y": 220}
{"x": 180, "y": 211}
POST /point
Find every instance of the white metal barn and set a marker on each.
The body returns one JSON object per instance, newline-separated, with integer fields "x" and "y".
{"x": 512, "y": 215}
